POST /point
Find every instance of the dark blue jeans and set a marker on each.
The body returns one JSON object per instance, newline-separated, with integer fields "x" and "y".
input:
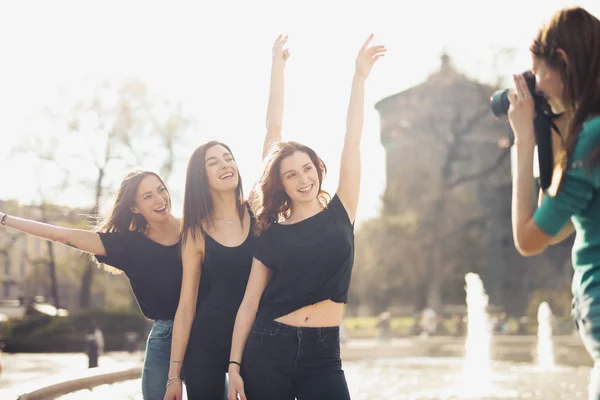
{"x": 283, "y": 362}
{"x": 586, "y": 314}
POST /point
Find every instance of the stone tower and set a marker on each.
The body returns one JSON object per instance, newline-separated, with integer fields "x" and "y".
{"x": 443, "y": 164}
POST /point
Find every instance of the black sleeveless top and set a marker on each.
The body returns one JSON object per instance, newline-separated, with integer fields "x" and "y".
{"x": 225, "y": 272}
{"x": 311, "y": 261}
{"x": 223, "y": 280}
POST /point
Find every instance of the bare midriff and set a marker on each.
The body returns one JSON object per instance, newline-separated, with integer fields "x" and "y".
{"x": 319, "y": 315}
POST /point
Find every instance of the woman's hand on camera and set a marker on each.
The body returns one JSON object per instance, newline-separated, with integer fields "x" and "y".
{"x": 521, "y": 112}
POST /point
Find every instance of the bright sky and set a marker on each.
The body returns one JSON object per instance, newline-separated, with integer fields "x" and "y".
{"x": 215, "y": 56}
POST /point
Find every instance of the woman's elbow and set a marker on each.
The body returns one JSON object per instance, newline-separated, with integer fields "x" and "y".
{"x": 528, "y": 248}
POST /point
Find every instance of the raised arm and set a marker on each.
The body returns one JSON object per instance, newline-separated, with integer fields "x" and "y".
{"x": 81, "y": 239}
{"x": 275, "y": 107}
{"x": 192, "y": 255}
{"x": 350, "y": 168}
{"x": 259, "y": 277}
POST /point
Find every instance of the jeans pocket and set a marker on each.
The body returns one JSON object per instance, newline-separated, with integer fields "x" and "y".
{"x": 161, "y": 332}
{"x": 255, "y": 339}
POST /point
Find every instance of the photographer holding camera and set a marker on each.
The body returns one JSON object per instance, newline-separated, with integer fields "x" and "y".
{"x": 566, "y": 65}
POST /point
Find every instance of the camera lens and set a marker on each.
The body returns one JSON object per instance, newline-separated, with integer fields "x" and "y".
{"x": 499, "y": 102}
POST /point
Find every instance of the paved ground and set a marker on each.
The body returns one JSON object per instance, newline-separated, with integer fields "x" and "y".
{"x": 373, "y": 370}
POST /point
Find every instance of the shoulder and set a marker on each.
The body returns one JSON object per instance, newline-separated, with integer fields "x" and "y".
{"x": 588, "y": 139}
{"x": 194, "y": 240}
{"x": 120, "y": 238}
{"x": 337, "y": 208}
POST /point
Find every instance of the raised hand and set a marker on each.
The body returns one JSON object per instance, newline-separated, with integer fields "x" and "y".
{"x": 280, "y": 54}
{"x": 521, "y": 111}
{"x": 367, "y": 56}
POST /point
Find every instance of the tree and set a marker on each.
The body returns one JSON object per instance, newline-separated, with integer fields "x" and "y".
{"x": 104, "y": 132}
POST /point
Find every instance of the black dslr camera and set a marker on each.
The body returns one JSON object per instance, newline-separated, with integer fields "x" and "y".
{"x": 542, "y": 124}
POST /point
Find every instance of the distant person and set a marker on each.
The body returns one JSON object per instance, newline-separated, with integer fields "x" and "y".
{"x": 99, "y": 340}
{"x": 92, "y": 348}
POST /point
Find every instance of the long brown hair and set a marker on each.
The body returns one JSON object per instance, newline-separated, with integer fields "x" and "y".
{"x": 197, "y": 203}
{"x": 576, "y": 32}
{"x": 121, "y": 218}
{"x": 268, "y": 199}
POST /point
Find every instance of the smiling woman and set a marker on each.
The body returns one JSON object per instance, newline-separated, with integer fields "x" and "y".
{"x": 140, "y": 238}
{"x": 217, "y": 249}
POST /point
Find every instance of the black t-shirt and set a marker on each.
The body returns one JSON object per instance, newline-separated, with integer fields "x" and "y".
{"x": 311, "y": 261}
{"x": 154, "y": 270}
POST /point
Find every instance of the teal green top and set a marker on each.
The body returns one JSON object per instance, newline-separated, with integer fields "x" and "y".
{"x": 577, "y": 199}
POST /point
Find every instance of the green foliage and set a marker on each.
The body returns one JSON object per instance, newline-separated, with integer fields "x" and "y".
{"x": 41, "y": 333}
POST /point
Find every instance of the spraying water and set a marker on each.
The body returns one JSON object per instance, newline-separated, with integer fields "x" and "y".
{"x": 477, "y": 345}
{"x": 545, "y": 348}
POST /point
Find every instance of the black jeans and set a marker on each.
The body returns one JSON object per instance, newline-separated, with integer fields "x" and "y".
{"x": 283, "y": 362}
{"x": 207, "y": 356}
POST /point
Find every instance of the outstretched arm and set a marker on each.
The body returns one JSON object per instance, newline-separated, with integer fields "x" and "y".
{"x": 350, "y": 168}
{"x": 275, "y": 107}
{"x": 81, "y": 239}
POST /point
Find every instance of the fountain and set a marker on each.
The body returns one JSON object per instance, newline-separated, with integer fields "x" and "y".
{"x": 472, "y": 377}
{"x": 477, "y": 344}
{"x": 545, "y": 348}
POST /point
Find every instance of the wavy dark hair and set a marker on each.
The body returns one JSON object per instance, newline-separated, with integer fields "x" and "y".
{"x": 268, "y": 200}
{"x": 576, "y": 32}
{"x": 121, "y": 218}
{"x": 197, "y": 203}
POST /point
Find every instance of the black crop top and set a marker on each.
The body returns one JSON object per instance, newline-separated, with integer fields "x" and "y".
{"x": 311, "y": 261}
{"x": 154, "y": 270}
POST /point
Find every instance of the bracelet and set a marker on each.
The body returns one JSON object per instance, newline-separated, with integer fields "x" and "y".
{"x": 236, "y": 363}
{"x": 175, "y": 361}
{"x": 3, "y": 221}
{"x": 174, "y": 379}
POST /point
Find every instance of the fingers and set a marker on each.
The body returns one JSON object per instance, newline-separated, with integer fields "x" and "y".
{"x": 378, "y": 51}
{"x": 521, "y": 85}
{"x": 512, "y": 97}
{"x": 242, "y": 395}
{"x": 280, "y": 41}
{"x": 366, "y": 44}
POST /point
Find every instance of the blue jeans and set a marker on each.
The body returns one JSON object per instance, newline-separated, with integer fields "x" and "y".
{"x": 156, "y": 361}
{"x": 586, "y": 314}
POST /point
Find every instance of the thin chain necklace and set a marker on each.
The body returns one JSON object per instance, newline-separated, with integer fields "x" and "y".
{"x": 229, "y": 221}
